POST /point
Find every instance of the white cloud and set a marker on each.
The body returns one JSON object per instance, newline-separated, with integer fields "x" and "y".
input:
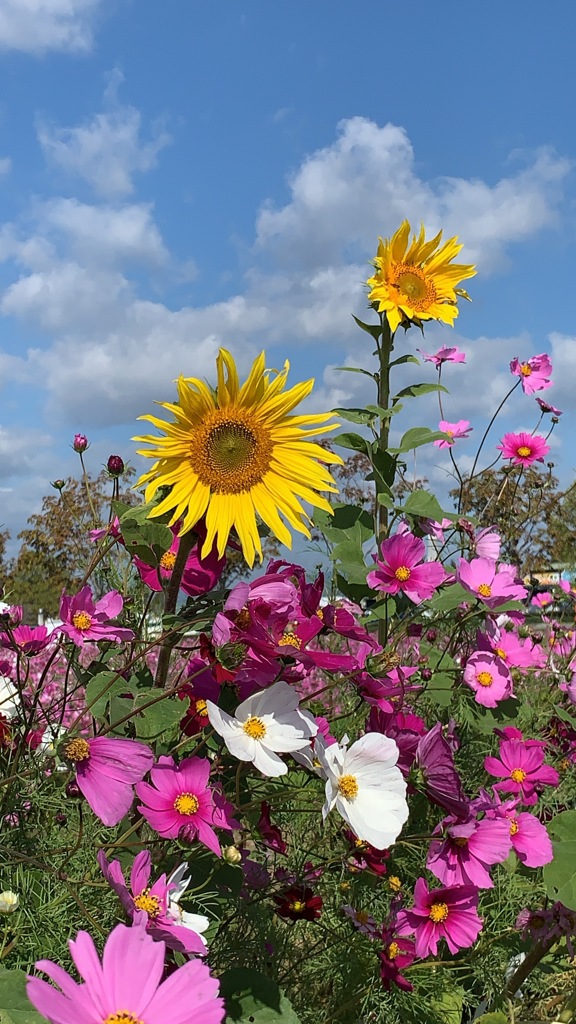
{"x": 105, "y": 234}
{"x": 107, "y": 150}
{"x": 36, "y": 26}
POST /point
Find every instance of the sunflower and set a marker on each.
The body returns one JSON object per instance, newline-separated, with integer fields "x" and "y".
{"x": 418, "y": 282}
{"x": 234, "y": 453}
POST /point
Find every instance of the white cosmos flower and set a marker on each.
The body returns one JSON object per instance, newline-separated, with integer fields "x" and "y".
{"x": 265, "y": 724}
{"x": 196, "y": 922}
{"x": 367, "y": 788}
{"x": 9, "y": 698}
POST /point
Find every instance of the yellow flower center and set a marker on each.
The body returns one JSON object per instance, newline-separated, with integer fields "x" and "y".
{"x": 485, "y": 590}
{"x": 525, "y": 369}
{"x": 514, "y": 826}
{"x": 362, "y": 916}
{"x": 255, "y": 728}
{"x": 564, "y": 764}
{"x": 518, "y": 774}
{"x": 151, "y": 904}
{"x": 168, "y": 560}
{"x": 320, "y": 614}
{"x": 122, "y": 1017}
{"x": 501, "y": 653}
{"x": 77, "y": 750}
{"x": 461, "y": 841}
{"x": 348, "y": 787}
{"x": 412, "y": 282}
{"x": 202, "y": 708}
{"x": 438, "y": 912}
{"x": 402, "y": 573}
{"x": 81, "y": 620}
{"x": 231, "y": 450}
{"x": 484, "y": 678}
{"x": 290, "y": 640}
{"x": 524, "y": 451}
{"x": 297, "y": 906}
{"x": 394, "y": 883}
{"x": 186, "y": 803}
{"x": 392, "y": 951}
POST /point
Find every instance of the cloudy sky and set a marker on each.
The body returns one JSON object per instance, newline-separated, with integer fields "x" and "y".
{"x": 181, "y": 175}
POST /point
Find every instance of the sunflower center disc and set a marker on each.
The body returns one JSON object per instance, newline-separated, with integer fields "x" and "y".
{"x": 230, "y": 447}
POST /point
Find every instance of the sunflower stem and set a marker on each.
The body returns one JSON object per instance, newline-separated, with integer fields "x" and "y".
{"x": 385, "y": 347}
{"x": 172, "y": 592}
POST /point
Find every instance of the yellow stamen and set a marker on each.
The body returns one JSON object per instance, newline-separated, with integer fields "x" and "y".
{"x": 122, "y": 1017}
{"x": 168, "y": 560}
{"x": 201, "y": 708}
{"x": 255, "y": 728}
{"x": 485, "y": 590}
{"x": 77, "y": 750}
{"x": 461, "y": 841}
{"x": 81, "y": 620}
{"x": 297, "y": 906}
{"x": 501, "y": 653}
{"x": 524, "y": 451}
{"x": 438, "y": 912}
{"x": 484, "y": 678}
{"x": 394, "y": 883}
{"x": 186, "y": 803}
{"x": 392, "y": 951}
{"x": 518, "y": 774}
{"x": 151, "y": 904}
{"x": 348, "y": 787}
{"x": 402, "y": 573}
{"x": 525, "y": 369}
{"x": 514, "y": 826}
{"x": 290, "y": 640}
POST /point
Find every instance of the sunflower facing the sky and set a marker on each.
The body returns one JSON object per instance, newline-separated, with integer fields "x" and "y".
{"x": 235, "y": 453}
{"x": 418, "y": 281}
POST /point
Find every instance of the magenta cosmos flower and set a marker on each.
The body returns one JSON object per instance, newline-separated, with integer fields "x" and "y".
{"x": 529, "y": 837}
{"x": 444, "y": 355}
{"x": 200, "y": 574}
{"x": 106, "y": 770}
{"x": 127, "y": 987}
{"x": 455, "y": 431}
{"x": 547, "y": 407}
{"x": 491, "y": 584}
{"x": 523, "y": 448}
{"x": 448, "y": 913}
{"x": 488, "y": 676}
{"x": 180, "y": 802}
{"x": 83, "y": 620}
{"x": 522, "y": 770}
{"x": 468, "y": 849}
{"x": 162, "y": 918}
{"x": 534, "y": 373}
{"x": 402, "y": 568}
{"x": 27, "y": 640}
{"x": 434, "y": 769}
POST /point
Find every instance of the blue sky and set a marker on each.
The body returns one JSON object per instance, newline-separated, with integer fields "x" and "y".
{"x": 179, "y": 175}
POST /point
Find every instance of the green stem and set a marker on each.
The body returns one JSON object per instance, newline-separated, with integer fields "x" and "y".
{"x": 170, "y": 603}
{"x": 384, "y": 352}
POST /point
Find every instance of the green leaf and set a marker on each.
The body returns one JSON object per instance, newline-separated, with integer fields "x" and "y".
{"x": 405, "y": 359}
{"x": 560, "y": 874}
{"x": 375, "y": 330}
{"x": 384, "y": 414}
{"x": 351, "y": 519}
{"x": 444, "y": 601}
{"x": 354, "y": 415}
{"x": 413, "y": 390}
{"x": 493, "y": 1018}
{"x": 354, "y": 441}
{"x": 101, "y": 689}
{"x": 447, "y": 1008}
{"x": 251, "y": 996}
{"x": 416, "y": 437}
{"x": 422, "y": 503}
{"x": 355, "y": 369}
{"x": 15, "y": 1008}
{"x": 159, "y": 718}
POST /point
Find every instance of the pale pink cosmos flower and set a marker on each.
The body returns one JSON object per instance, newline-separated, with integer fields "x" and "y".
{"x": 534, "y": 373}
{"x": 455, "y": 431}
{"x": 488, "y": 676}
{"x": 84, "y": 620}
{"x": 446, "y": 354}
{"x": 435, "y": 529}
{"x": 468, "y": 849}
{"x": 488, "y": 582}
{"x": 180, "y": 802}
{"x": 521, "y": 768}
{"x": 543, "y": 599}
{"x": 401, "y": 568}
{"x": 523, "y": 449}
{"x": 106, "y": 770}
{"x": 127, "y": 986}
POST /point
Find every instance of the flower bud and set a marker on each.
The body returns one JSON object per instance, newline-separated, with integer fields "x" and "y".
{"x": 231, "y": 854}
{"x": 8, "y": 901}
{"x": 115, "y": 465}
{"x": 80, "y": 443}
{"x": 426, "y": 674}
{"x": 58, "y": 485}
{"x": 73, "y": 791}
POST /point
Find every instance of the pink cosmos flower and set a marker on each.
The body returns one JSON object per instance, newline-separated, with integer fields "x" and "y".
{"x": 486, "y": 543}
{"x": 179, "y": 801}
{"x": 529, "y": 837}
{"x": 455, "y": 431}
{"x": 112, "y": 530}
{"x": 402, "y": 568}
{"x": 200, "y": 574}
{"x": 435, "y": 529}
{"x": 487, "y": 675}
{"x": 106, "y": 770}
{"x": 546, "y": 407}
{"x": 435, "y": 764}
{"x": 468, "y": 849}
{"x": 445, "y": 354}
{"x": 522, "y": 770}
{"x": 396, "y": 953}
{"x": 523, "y": 449}
{"x": 27, "y": 640}
{"x": 448, "y": 913}
{"x": 83, "y": 620}
{"x": 542, "y": 599}
{"x": 154, "y": 901}
{"x": 508, "y": 646}
{"x": 534, "y": 373}
{"x": 127, "y": 986}
{"x": 491, "y": 584}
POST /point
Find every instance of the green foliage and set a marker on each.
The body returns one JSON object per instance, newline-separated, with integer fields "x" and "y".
{"x": 250, "y": 996}
{"x": 560, "y": 874}
{"x": 14, "y": 1005}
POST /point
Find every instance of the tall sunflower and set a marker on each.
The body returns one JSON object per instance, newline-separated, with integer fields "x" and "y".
{"x": 418, "y": 281}
{"x": 234, "y": 453}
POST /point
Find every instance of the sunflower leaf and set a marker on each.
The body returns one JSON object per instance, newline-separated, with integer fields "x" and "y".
{"x": 15, "y": 1007}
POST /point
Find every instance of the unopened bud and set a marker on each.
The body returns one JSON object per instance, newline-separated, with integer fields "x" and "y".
{"x": 431, "y": 636}
{"x": 73, "y": 791}
{"x": 8, "y": 901}
{"x": 231, "y": 855}
{"x": 80, "y": 443}
{"x": 58, "y": 485}
{"x": 426, "y": 674}
{"x": 115, "y": 465}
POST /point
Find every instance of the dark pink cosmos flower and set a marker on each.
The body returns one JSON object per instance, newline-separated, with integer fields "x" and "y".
{"x": 522, "y": 770}
{"x": 445, "y": 354}
{"x": 455, "y": 431}
{"x": 396, "y": 953}
{"x": 434, "y": 764}
{"x": 508, "y": 646}
{"x": 534, "y": 373}
{"x": 529, "y": 837}
{"x": 491, "y": 584}
{"x": 449, "y": 913}
{"x": 298, "y": 904}
{"x": 488, "y": 676}
{"x": 401, "y": 568}
{"x": 523, "y": 449}
{"x": 468, "y": 849}
{"x": 200, "y": 574}
{"x": 180, "y": 801}
{"x": 364, "y": 856}
{"x": 83, "y": 620}
{"x": 403, "y": 727}
{"x": 80, "y": 443}
{"x": 546, "y": 407}
{"x": 27, "y": 639}
{"x": 127, "y": 986}
{"x": 543, "y": 599}
{"x": 106, "y": 770}
{"x": 112, "y": 530}
{"x": 163, "y": 913}
{"x": 271, "y": 834}
{"x": 387, "y": 692}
